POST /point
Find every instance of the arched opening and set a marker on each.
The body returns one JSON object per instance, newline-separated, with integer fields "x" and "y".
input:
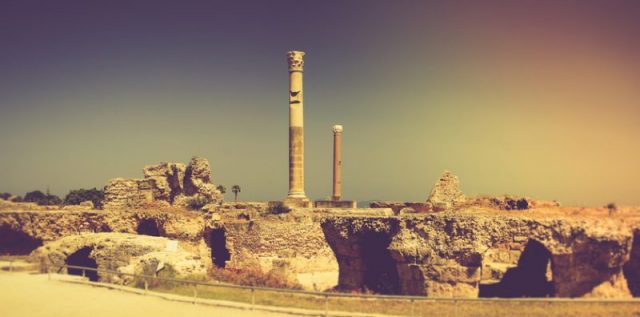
{"x": 219, "y": 252}
{"x": 380, "y": 274}
{"x": 15, "y": 242}
{"x": 81, "y": 258}
{"x": 528, "y": 279}
{"x": 148, "y": 227}
{"x": 632, "y": 268}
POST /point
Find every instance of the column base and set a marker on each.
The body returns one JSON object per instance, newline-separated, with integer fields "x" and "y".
{"x": 335, "y": 204}
{"x": 297, "y": 202}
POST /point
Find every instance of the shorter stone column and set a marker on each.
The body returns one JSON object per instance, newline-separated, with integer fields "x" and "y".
{"x": 337, "y": 162}
{"x": 336, "y": 198}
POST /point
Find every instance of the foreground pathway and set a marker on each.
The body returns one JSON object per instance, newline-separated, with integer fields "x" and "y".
{"x": 23, "y": 294}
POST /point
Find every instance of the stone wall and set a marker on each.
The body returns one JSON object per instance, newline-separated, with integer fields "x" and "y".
{"x": 466, "y": 252}
{"x": 120, "y": 252}
{"x": 163, "y": 184}
{"x": 292, "y": 243}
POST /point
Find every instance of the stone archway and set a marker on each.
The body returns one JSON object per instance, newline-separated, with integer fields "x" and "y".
{"x": 82, "y": 258}
{"x": 219, "y": 252}
{"x": 15, "y": 242}
{"x": 149, "y": 227}
{"x": 529, "y": 278}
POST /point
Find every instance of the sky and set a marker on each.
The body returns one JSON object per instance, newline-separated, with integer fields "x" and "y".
{"x": 537, "y": 98}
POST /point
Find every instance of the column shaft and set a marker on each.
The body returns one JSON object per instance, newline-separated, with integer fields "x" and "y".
{"x": 296, "y": 126}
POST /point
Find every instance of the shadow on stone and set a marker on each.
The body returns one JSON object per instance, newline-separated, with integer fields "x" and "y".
{"x": 219, "y": 252}
{"x": 380, "y": 274}
{"x": 14, "y": 242}
{"x": 81, "y": 258}
{"x": 148, "y": 227}
{"x": 528, "y": 279}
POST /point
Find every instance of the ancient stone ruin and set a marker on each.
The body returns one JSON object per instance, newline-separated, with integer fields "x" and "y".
{"x": 446, "y": 193}
{"x": 448, "y": 245}
{"x": 164, "y": 184}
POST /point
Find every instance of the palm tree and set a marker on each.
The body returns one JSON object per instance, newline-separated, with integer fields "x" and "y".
{"x": 235, "y": 189}
{"x": 222, "y": 189}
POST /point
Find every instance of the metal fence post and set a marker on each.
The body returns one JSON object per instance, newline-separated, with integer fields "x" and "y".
{"x": 83, "y": 273}
{"x": 253, "y": 297}
{"x": 195, "y": 292}
{"x": 455, "y": 308}
{"x": 326, "y": 304}
{"x": 10, "y": 265}
{"x": 146, "y": 285}
{"x": 413, "y": 312}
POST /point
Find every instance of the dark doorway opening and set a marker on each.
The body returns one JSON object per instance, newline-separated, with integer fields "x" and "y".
{"x": 528, "y": 279}
{"x": 219, "y": 252}
{"x": 380, "y": 273}
{"x": 81, "y": 258}
{"x": 14, "y": 242}
{"x": 148, "y": 227}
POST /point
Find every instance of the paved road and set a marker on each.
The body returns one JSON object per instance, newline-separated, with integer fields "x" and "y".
{"x": 22, "y": 294}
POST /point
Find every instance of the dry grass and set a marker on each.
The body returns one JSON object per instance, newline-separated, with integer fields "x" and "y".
{"x": 252, "y": 276}
{"x": 404, "y": 307}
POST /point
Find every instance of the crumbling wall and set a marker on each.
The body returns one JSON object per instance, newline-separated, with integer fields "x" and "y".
{"x": 452, "y": 254}
{"x": 50, "y": 225}
{"x": 121, "y": 252}
{"x": 292, "y": 243}
{"x": 163, "y": 184}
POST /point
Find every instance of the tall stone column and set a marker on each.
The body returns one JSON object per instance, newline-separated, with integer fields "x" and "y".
{"x": 296, "y": 194}
{"x": 337, "y": 162}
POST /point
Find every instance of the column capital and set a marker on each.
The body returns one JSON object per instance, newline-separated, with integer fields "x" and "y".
{"x": 295, "y": 59}
{"x": 337, "y": 128}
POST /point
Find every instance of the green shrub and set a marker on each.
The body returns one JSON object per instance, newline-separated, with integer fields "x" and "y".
{"x": 76, "y": 196}
{"x": 612, "y": 207}
{"x": 42, "y": 199}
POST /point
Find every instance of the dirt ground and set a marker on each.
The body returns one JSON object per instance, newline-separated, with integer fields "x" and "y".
{"x": 23, "y": 294}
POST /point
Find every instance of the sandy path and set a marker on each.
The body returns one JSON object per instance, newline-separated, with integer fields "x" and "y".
{"x": 22, "y": 294}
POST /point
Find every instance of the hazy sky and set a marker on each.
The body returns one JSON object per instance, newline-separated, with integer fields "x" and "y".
{"x": 522, "y": 97}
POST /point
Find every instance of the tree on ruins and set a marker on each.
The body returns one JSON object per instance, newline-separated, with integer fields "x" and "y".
{"x": 76, "y": 196}
{"x": 41, "y": 198}
{"x": 235, "y": 189}
{"x": 222, "y": 189}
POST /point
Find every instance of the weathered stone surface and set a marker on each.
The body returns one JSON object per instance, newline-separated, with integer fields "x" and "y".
{"x": 349, "y": 204}
{"x": 121, "y": 252}
{"x": 163, "y": 184}
{"x": 168, "y": 178}
{"x": 403, "y": 207}
{"x": 446, "y": 193}
{"x": 509, "y": 202}
{"x": 467, "y": 252}
{"x": 54, "y": 224}
{"x": 292, "y": 243}
{"x": 464, "y": 253}
{"x": 87, "y": 204}
{"x": 120, "y": 193}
